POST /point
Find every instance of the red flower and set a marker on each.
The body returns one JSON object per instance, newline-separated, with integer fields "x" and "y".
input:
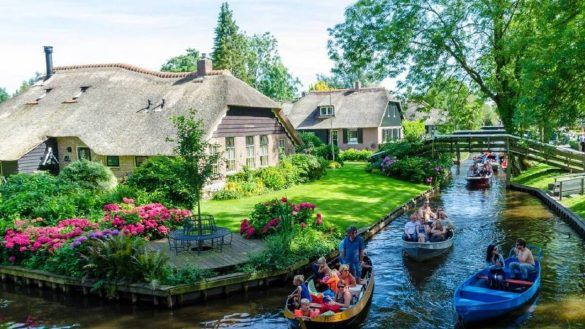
{"x": 283, "y": 199}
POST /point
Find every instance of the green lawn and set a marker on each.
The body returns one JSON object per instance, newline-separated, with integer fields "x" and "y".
{"x": 344, "y": 196}
{"x": 540, "y": 175}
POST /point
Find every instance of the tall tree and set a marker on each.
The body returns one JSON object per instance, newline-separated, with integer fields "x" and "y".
{"x": 3, "y": 95}
{"x": 479, "y": 42}
{"x": 194, "y": 150}
{"x": 230, "y": 46}
{"x": 464, "y": 108}
{"x": 267, "y": 72}
{"x": 182, "y": 63}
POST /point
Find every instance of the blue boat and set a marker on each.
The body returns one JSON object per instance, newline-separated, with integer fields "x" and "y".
{"x": 475, "y": 301}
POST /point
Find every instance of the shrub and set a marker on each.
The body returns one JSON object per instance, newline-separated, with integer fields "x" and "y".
{"x": 267, "y": 218}
{"x": 88, "y": 175}
{"x": 355, "y": 155}
{"x": 334, "y": 165}
{"x": 163, "y": 176}
{"x": 413, "y": 130}
{"x": 400, "y": 149}
{"x": 187, "y": 275}
{"x": 418, "y": 169}
{"x": 273, "y": 178}
{"x": 309, "y": 167}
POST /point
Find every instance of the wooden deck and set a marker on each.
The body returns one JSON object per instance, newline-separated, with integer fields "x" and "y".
{"x": 215, "y": 259}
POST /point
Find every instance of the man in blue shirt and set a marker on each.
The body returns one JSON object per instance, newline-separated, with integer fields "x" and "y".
{"x": 353, "y": 251}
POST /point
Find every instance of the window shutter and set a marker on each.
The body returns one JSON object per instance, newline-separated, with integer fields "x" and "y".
{"x": 360, "y": 135}
{"x": 345, "y": 137}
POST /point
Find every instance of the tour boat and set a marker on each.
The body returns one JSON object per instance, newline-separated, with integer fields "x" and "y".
{"x": 481, "y": 180}
{"x": 351, "y": 317}
{"x": 475, "y": 301}
{"x": 420, "y": 251}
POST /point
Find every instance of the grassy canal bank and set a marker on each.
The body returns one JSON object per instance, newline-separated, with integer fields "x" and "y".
{"x": 345, "y": 196}
{"x": 541, "y": 175}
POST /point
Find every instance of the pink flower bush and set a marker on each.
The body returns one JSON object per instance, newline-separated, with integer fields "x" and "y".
{"x": 26, "y": 237}
{"x": 267, "y": 218}
{"x": 151, "y": 221}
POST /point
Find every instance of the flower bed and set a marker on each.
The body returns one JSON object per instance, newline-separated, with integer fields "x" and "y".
{"x": 267, "y": 218}
{"x": 28, "y": 237}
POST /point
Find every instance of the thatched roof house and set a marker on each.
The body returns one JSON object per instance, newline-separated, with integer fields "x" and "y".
{"x": 351, "y": 118}
{"x": 421, "y": 111}
{"x": 118, "y": 110}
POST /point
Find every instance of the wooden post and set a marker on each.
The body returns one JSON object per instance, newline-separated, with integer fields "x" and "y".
{"x": 509, "y": 167}
{"x": 458, "y": 152}
{"x": 582, "y": 183}
{"x": 560, "y": 190}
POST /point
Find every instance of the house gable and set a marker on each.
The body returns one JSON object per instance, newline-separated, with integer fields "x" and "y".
{"x": 392, "y": 114}
{"x": 244, "y": 121}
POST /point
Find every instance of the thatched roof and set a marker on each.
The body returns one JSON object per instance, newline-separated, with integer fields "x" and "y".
{"x": 354, "y": 108}
{"x": 107, "y": 115}
{"x": 422, "y": 111}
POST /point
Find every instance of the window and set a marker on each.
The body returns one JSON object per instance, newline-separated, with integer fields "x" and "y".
{"x": 230, "y": 154}
{"x": 263, "y": 151}
{"x": 326, "y": 111}
{"x": 139, "y": 160}
{"x": 334, "y": 137}
{"x": 83, "y": 153}
{"x": 214, "y": 149}
{"x": 390, "y": 134}
{"x": 281, "y": 146}
{"x": 81, "y": 91}
{"x": 352, "y": 136}
{"x": 392, "y": 110}
{"x": 112, "y": 161}
{"x": 250, "y": 152}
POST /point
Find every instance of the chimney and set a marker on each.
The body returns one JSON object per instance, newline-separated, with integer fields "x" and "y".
{"x": 357, "y": 85}
{"x": 204, "y": 66}
{"x": 49, "y": 61}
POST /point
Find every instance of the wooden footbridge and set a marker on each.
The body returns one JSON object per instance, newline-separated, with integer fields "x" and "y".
{"x": 498, "y": 141}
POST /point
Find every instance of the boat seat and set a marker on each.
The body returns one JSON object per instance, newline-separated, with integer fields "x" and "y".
{"x": 512, "y": 281}
{"x": 489, "y": 292}
{"x": 355, "y": 291}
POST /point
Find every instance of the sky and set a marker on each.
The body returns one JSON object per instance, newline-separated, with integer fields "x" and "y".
{"x": 146, "y": 33}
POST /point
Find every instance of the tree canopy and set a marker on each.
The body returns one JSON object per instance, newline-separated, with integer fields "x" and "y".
{"x": 508, "y": 51}
{"x": 3, "y": 95}
{"x": 253, "y": 59}
{"x": 182, "y": 63}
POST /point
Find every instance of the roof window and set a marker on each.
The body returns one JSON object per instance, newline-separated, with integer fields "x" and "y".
{"x": 151, "y": 107}
{"x": 82, "y": 90}
{"x": 326, "y": 111}
{"x": 36, "y": 101}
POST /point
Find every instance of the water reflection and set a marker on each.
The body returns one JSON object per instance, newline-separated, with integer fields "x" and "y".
{"x": 407, "y": 294}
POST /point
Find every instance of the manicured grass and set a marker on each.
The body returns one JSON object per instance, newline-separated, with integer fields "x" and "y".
{"x": 346, "y": 196}
{"x": 540, "y": 175}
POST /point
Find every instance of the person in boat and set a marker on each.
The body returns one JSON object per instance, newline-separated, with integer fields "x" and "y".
{"x": 346, "y": 277}
{"x": 423, "y": 230}
{"x": 366, "y": 265}
{"x": 525, "y": 263}
{"x": 427, "y": 212}
{"x": 316, "y": 266}
{"x": 495, "y": 262}
{"x": 331, "y": 278}
{"x": 302, "y": 291}
{"x": 438, "y": 232}
{"x": 353, "y": 251}
{"x": 411, "y": 228}
{"x": 447, "y": 223}
{"x": 342, "y": 297}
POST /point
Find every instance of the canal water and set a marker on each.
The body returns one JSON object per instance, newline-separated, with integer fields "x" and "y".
{"x": 407, "y": 294}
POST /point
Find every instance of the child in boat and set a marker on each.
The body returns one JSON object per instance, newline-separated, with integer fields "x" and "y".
{"x": 410, "y": 228}
{"x": 302, "y": 291}
{"x": 331, "y": 279}
{"x": 438, "y": 232}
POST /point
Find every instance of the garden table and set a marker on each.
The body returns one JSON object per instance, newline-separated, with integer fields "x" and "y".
{"x": 181, "y": 240}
